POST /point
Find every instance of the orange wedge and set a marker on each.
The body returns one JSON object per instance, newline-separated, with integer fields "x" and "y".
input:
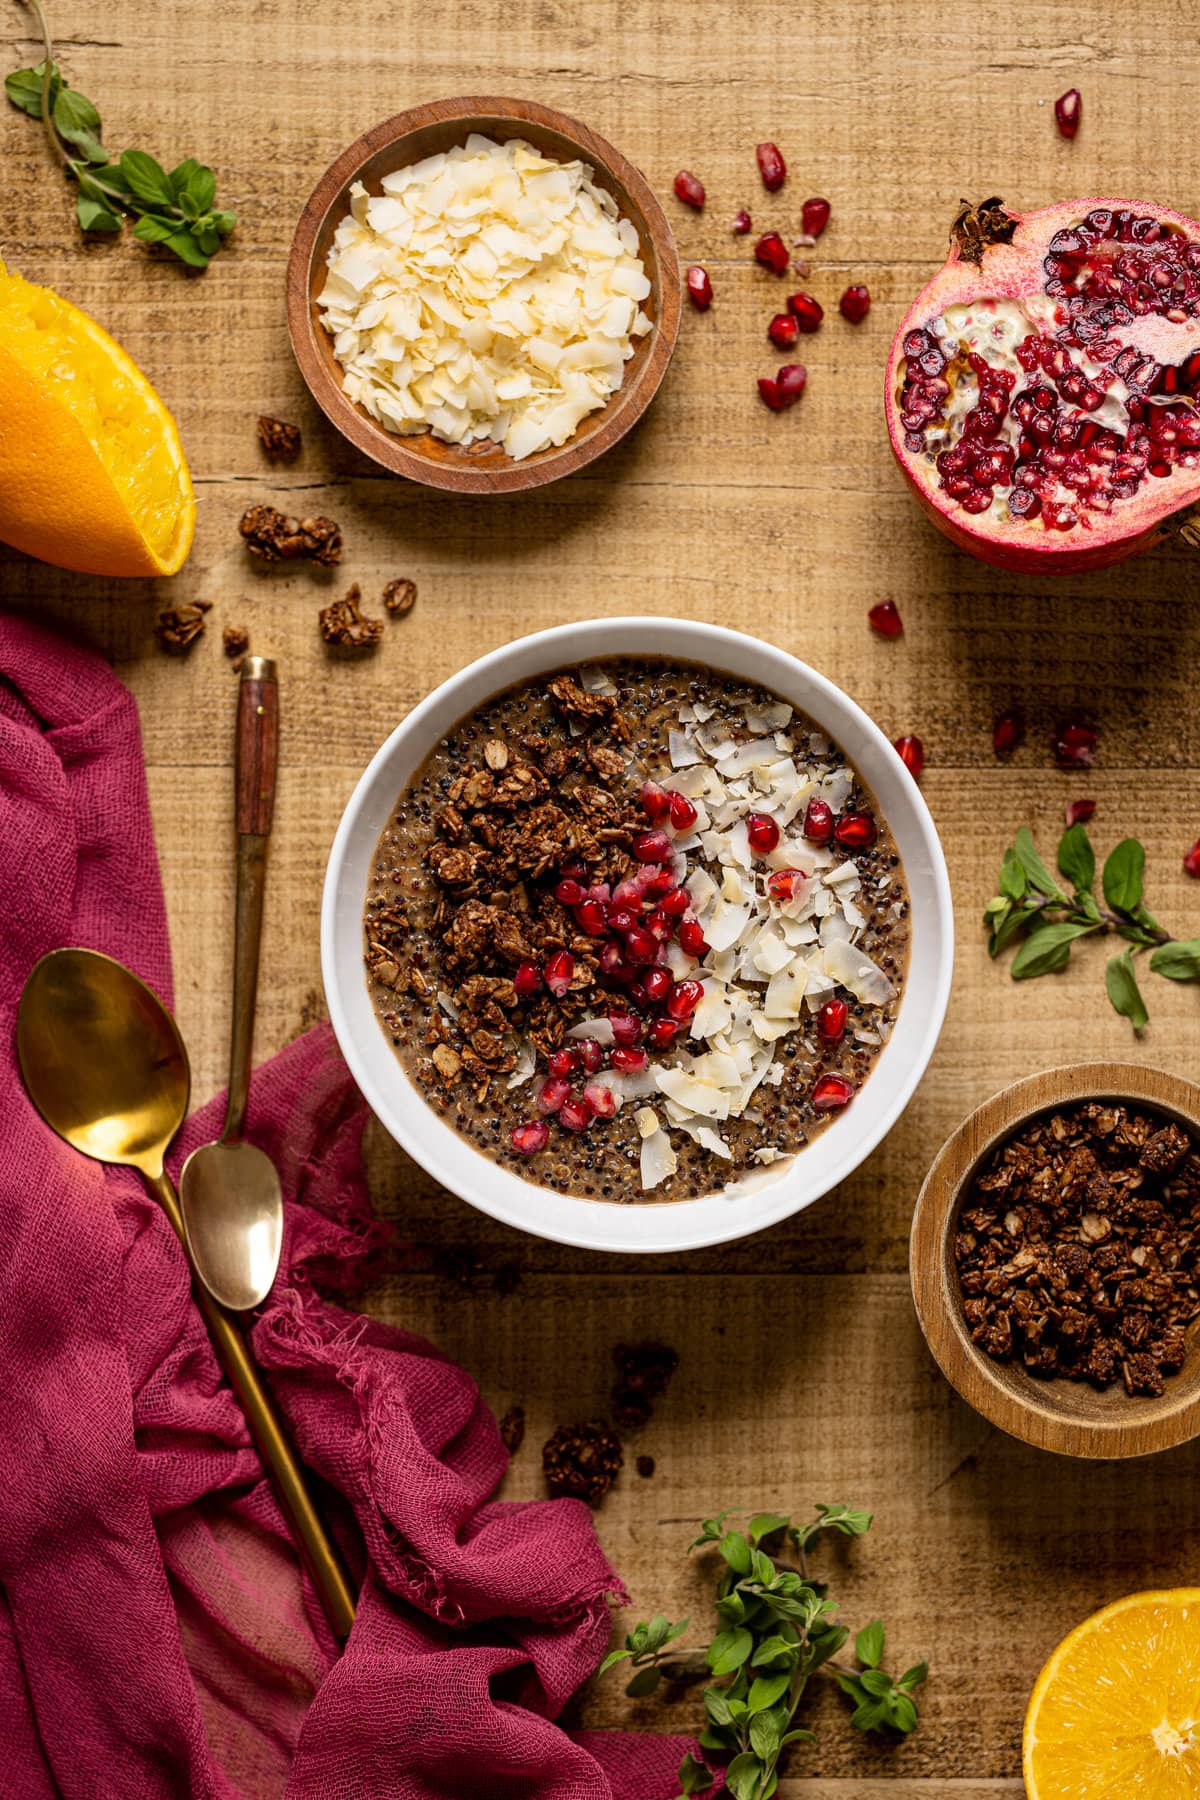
{"x": 1115, "y": 1714}
{"x": 92, "y": 473}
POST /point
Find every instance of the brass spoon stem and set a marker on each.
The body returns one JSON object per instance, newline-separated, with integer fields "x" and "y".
{"x": 257, "y": 754}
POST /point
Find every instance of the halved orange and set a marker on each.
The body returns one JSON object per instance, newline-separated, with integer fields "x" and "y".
{"x": 92, "y": 473}
{"x": 1115, "y": 1713}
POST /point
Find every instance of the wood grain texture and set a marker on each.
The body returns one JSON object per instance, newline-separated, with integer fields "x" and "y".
{"x": 803, "y": 1375}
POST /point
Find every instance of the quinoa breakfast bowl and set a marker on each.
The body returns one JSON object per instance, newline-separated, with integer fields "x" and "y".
{"x": 637, "y": 934}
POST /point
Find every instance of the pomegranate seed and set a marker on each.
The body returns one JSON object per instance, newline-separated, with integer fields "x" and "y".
{"x": 831, "y": 1021}
{"x": 658, "y": 984}
{"x": 651, "y": 846}
{"x": 575, "y": 870}
{"x": 553, "y": 1094}
{"x": 818, "y": 822}
{"x": 528, "y": 979}
{"x": 689, "y": 190}
{"x": 1078, "y": 812}
{"x": 791, "y": 381}
{"x": 591, "y": 917}
{"x": 660, "y": 925}
{"x": 683, "y": 999}
{"x": 806, "y": 311}
{"x": 576, "y": 1115}
{"x": 676, "y": 903}
{"x": 601, "y": 1099}
{"x": 559, "y": 972}
{"x": 656, "y": 802}
{"x": 771, "y": 166}
{"x": 629, "y": 1061}
{"x": 1073, "y": 746}
{"x": 885, "y": 619}
{"x": 562, "y": 1062}
{"x": 783, "y": 331}
{"x": 814, "y": 217}
{"x": 856, "y": 831}
{"x": 658, "y": 881}
{"x": 770, "y": 395}
{"x": 641, "y": 946}
{"x": 692, "y": 940}
{"x": 683, "y": 813}
{"x": 830, "y": 1093}
{"x": 626, "y": 893}
{"x": 590, "y": 1055}
{"x": 763, "y": 833}
{"x": 661, "y": 1033}
{"x": 1191, "y": 861}
{"x": 911, "y": 752}
{"x": 1007, "y": 733}
{"x": 772, "y": 252}
{"x": 625, "y": 1028}
{"x": 1067, "y": 110}
{"x": 569, "y": 892}
{"x": 699, "y": 288}
{"x": 612, "y": 963}
{"x": 855, "y": 303}
{"x": 530, "y": 1138}
{"x": 742, "y": 223}
{"x": 622, "y": 919}
{"x": 636, "y": 995}
{"x": 782, "y": 884}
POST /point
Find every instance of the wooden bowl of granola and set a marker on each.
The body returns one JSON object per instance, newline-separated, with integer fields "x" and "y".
{"x": 1055, "y": 1260}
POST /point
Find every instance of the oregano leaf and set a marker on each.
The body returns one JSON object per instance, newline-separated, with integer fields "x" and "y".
{"x": 1076, "y": 858}
{"x": 868, "y": 1644}
{"x": 1122, "y": 986}
{"x": 1123, "y": 872}
{"x": 1035, "y": 869}
{"x": 1047, "y": 950}
{"x": 1178, "y": 961}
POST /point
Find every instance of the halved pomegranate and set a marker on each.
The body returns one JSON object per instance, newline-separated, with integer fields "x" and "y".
{"x": 1042, "y": 392}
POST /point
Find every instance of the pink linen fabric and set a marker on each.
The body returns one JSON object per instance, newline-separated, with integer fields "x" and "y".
{"x": 158, "y": 1639}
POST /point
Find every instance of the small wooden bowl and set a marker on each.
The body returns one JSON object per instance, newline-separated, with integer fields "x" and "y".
{"x": 1069, "y": 1417}
{"x": 424, "y": 130}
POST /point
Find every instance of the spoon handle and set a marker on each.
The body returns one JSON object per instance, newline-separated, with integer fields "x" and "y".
{"x": 270, "y": 1438}
{"x": 257, "y": 756}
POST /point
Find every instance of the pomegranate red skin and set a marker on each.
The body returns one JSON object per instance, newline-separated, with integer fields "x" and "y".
{"x": 1011, "y": 271}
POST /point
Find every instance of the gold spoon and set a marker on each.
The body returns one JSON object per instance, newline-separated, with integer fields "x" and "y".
{"x": 232, "y": 1205}
{"x": 103, "y": 1062}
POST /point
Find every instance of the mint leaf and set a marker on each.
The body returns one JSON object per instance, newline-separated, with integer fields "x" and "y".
{"x": 764, "y": 1524}
{"x": 1047, "y": 949}
{"x": 76, "y": 119}
{"x": 1013, "y": 879}
{"x": 693, "y": 1776}
{"x": 902, "y": 1713}
{"x": 766, "y": 1690}
{"x": 1123, "y": 990}
{"x": 24, "y": 88}
{"x": 1076, "y": 858}
{"x": 729, "y": 1650}
{"x": 95, "y": 215}
{"x": 187, "y": 249}
{"x": 610, "y": 1661}
{"x": 1123, "y": 875}
{"x": 868, "y": 1645}
{"x": 644, "y": 1682}
{"x": 1178, "y": 962}
{"x": 195, "y": 182}
{"x": 1039, "y": 875}
{"x": 147, "y": 178}
{"x": 913, "y": 1677}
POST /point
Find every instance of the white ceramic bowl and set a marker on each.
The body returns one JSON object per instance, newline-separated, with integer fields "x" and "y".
{"x": 646, "y": 1225}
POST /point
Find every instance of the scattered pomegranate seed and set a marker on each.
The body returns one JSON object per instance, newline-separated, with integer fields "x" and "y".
{"x": 527, "y": 979}
{"x": 554, "y": 1093}
{"x": 692, "y": 940}
{"x": 676, "y": 903}
{"x": 577, "y": 1115}
{"x": 569, "y": 892}
{"x": 830, "y": 1093}
{"x": 1078, "y": 812}
{"x": 562, "y": 1062}
{"x": 769, "y": 394}
{"x": 689, "y": 189}
{"x": 772, "y": 252}
{"x": 601, "y": 1099}
{"x": 683, "y": 813}
{"x": 1191, "y": 861}
{"x": 592, "y": 917}
{"x": 814, "y": 217}
{"x": 699, "y": 288}
{"x": 658, "y": 984}
{"x": 651, "y": 846}
{"x": 683, "y": 999}
{"x": 656, "y": 802}
{"x": 855, "y": 303}
{"x": 856, "y": 831}
{"x": 806, "y": 311}
{"x": 818, "y": 822}
{"x": 591, "y": 1055}
{"x": 831, "y": 1021}
{"x": 911, "y": 752}
{"x": 629, "y": 1061}
{"x": 791, "y": 381}
{"x": 782, "y": 883}
{"x": 1073, "y": 745}
{"x": 559, "y": 973}
{"x": 1008, "y": 733}
{"x": 742, "y": 223}
{"x": 763, "y": 833}
{"x": 1067, "y": 111}
{"x": 530, "y": 1138}
{"x": 771, "y": 166}
{"x": 625, "y": 1028}
{"x": 783, "y": 331}
{"x": 661, "y": 1033}
{"x": 885, "y": 619}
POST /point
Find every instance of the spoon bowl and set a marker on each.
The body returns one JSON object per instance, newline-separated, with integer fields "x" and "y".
{"x": 233, "y": 1210}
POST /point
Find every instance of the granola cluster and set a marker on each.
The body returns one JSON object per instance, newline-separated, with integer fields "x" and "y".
{"x": 271, "y": 536}
{"x": 1078, "y": 1248}
{"x": 582, "y": 1461}
{"x": 281, "y": 441}
{"x": 346, "y": 626}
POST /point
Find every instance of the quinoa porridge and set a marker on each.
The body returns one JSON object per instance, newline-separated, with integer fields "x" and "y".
{"x": 637, "y": 930}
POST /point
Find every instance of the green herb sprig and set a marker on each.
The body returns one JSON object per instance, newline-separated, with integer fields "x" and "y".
{"x": 1034, "y": 906}
{"x": 176, "y": 208}
{"x": 776, "y": 1629}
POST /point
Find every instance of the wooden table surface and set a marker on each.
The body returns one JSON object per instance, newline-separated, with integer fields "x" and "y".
{"x": 802, "y": 1372}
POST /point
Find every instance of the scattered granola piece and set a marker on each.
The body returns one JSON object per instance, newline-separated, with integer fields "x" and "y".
{"x": 512, "y": 1429}
{"x": 236, "y": 640}
{"x": 582, "y": 1461}
{"x": 272, "y": 537}
{"x": 343, "y": 625}
{"x": 645, "y": 1467}
{"x": 179, "y": 626}
{"x": 400, "y": 596}
{"x": 281, "y": 441}
{"x": 643, "y": 1371}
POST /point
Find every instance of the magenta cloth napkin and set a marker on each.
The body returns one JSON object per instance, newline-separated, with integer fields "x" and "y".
{"x": 157, "y": 1638}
